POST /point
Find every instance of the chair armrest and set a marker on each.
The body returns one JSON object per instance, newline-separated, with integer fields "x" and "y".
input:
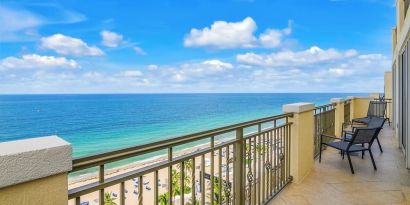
{"x": 330, "y": 136}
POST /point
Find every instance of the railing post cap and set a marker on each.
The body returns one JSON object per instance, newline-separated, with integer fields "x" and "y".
{"x": 337, "y": 100}
{"x": 360, "y": 97}
{"x": 29, "y": 159}
{"x": 298, "y": 107}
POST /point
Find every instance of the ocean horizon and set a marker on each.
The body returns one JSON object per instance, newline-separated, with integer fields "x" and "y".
{"x": 95, "y": 123}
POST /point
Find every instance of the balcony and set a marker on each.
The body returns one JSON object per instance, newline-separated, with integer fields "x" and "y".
{"x": 264, "y": 161}
{"x": 330, "y": 182}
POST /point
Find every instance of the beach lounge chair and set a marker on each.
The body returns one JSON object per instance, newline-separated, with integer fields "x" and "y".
{"x": 114, "y": 195}
{"x": 135, "y": 192}
{"x": 148, "y": 188}
{"x": 361, "y": 136}
{"x": 85, "y": 203}
{"x": 376, "y": 109}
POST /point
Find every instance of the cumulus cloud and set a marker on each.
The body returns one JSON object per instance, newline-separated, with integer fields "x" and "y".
{"x": 111, "y": 39}
{"x": 273, "y": 38}
{"x": 292, "y": 58}
{"x": 227, "y": 35}
{"x": 223, "y": 34}
{"x": 34, "y": 61}
{"x": 67, "y": 45}
{"x": 139, "y": 51}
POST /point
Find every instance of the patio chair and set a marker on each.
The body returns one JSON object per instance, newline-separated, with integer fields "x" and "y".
{"x": 361, "y": 136}
{"x": 375, "y": 122}
{"x": 376, "y": 109}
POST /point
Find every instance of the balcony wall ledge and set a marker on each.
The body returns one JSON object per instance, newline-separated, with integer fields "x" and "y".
{"x": 30, "y": 159}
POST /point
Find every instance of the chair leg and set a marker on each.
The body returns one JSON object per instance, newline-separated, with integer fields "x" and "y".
{"x": 350, "y": 162}
{"x": 343, "y": 155}
{"x": 320, "y": 153}
{"x": 380, "y": 146}
{"x": 362, "y": 152}
{"x": 371, "y": 156}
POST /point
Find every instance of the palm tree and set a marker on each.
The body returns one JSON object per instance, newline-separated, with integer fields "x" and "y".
{"x": 218, "y": 186}
{"x": 163, "y": 199}
{"x": 108, "y": 200}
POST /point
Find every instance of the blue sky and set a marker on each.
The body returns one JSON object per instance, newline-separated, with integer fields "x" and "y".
{"x": 194, "y": 46}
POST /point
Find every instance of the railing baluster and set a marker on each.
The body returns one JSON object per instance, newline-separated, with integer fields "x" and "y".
{"x": 182, "y": 182}
{"x": 212, "y": 170}
{"x": 140, "y": 190}
{"x": 122, "y": 193}
{"x": 101, "y": 180}
{"x": 77, "y": 201}
{"x": 238, "y": 168}
{"x": 261, "y": 149}
{"x": 156, "y": 187}
{"x": 220, "y": 176}
{"x": 170, "y": 176}
{"x": 227, "y": 176}
{"x": 193, "y": 190}
{"x": 264, "y": 167}
{"x": 249, "y": 170}
{"x": 203, "y": 179}
{"x": 254, "y": 171}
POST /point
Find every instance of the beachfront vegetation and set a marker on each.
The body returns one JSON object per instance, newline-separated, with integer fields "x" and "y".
{"x": 109, "y": 199}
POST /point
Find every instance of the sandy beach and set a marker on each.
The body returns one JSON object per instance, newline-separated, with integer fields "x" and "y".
{"x": 132, "y": 186}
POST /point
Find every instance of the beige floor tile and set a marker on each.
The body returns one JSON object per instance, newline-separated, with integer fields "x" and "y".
{"x": 331, "y": 182}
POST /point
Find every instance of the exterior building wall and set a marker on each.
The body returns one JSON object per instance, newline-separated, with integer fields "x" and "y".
{"x": 50, "y": 190}
{"x": 401, "y": 77}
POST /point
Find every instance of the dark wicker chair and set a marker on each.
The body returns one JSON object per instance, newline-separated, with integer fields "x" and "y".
{"x": 376, "y": 109}
{"x": 361, "y": 136}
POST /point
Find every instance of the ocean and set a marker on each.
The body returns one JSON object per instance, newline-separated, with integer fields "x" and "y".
{"x": 95, "y": 123}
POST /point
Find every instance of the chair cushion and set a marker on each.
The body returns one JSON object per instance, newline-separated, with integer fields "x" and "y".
{"x": 340, "y": 145}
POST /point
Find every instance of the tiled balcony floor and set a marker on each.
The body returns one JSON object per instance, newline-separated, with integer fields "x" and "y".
{"x": 332, "y": 183}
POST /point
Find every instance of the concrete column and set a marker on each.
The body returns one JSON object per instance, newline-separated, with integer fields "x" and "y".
{"x": 34, "y": 171}
{"x": 359, "y": 106}
{"x": 301, "y": 148}
{"x": 339, "y": 114}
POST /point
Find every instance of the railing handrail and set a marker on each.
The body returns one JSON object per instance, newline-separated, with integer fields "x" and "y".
{"x": 115, "y": 155}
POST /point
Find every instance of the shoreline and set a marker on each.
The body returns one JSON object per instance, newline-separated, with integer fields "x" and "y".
{"x": 83, "y": 179}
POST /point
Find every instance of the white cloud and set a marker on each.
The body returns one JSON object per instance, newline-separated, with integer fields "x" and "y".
{"x": 152, "y": 67}
{"x": 226, "y": 35}
{"x": 273, "y": 38}
{"x": 21, "y": 24}
{"x": 217, "y": 65}
{"x": 290, "y": 58}
{"x": 139, "y": 51}
{"x": 131, "y": 73}
{"x": 12, "y": 23}
{"x": 192, "y": 71}
{"x": 67, "y": 45}
{"x": 34, "y": 61}
{"x": 223, "y": 34}
{"x": 111, "y": 39}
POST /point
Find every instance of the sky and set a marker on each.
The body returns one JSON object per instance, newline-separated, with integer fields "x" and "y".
{"x": 194, "y": 46}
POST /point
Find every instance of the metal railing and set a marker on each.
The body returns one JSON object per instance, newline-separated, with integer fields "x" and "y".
{"x": 324, "y": 117}
{"x": 228, "y": 166}
{"x": 387, "y": 110}
{"x": 346, "y": 112}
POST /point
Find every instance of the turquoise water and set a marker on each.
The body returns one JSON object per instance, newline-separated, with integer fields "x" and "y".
{"x": 97, "y": 123}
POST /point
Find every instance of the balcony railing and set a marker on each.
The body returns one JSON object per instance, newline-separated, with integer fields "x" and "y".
{"x": 324, "y": 118}
{"x": 245, "y": 163}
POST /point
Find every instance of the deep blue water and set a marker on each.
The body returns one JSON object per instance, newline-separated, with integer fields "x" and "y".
{"x": 96, "y": 123}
